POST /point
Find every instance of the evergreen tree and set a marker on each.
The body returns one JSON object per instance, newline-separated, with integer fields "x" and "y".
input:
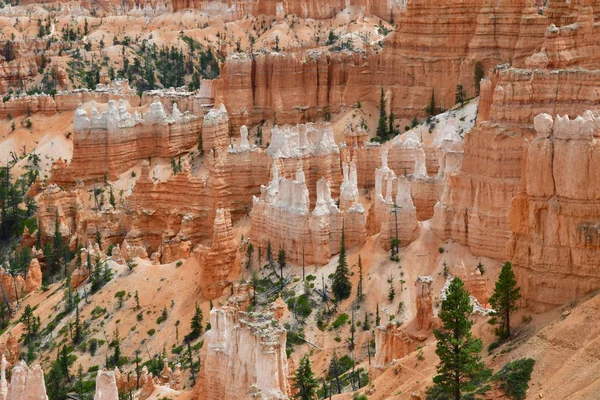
{"x": 255, "y": 281}
{"x": 137, "y": 300}
{"x": 382, "y": 129}
{"x": 359, "y": 289}
{"x": 77, "y": 331}
{"x": 366, "y": 323}
{"x": 249, "y": 252}
{"x": 58, "y": 377}
{"x": 304, "y": 380}
{"x": 111, "y": 198}
{"x": 195, "y": 325}
{"x": 460, "y": 95}
{"x": 97, "y": 280}
{"x": 391, "y": 291}
{"x": 281, "y": 262}
{"x": 115, "y": 360}
{"x": 504, "y": 300}
{"x": 334, "y": 372}
{"x": 431, "y": 107}
{"x": 31, "y": 328}
{"x": 269, "y": 253}
{"x": 57, "y": 247}
{"x": 341, "y": 286}
{"x": 461, "y": 371}
{"x": 377, "y": 317}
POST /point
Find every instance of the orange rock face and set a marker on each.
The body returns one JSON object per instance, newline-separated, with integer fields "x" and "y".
{"x": 219, "y": 263}
{"x": 424, "y": 318}
{"x": 554, "y": 219}
{"x": 391, "y": 343}
{"x": 108, "y": 144}
{"x": 244, "y": 356}
{"x": 33, "y": 279}
{"x": 475, "y": 205}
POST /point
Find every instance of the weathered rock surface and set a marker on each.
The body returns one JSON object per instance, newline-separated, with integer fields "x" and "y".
{"x": 391, "y": 343}
{"x": 106, "y": 386}
{"x": 554, "y": 219}
{"x": 243, "y": 356}
{"x": 26, "y": 383}
{"x": 219, "y": 263}
{"x": 108, "y": 144}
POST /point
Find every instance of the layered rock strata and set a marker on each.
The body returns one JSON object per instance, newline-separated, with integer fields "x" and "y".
{"x": 281, "y": 217}
{"x": 243, "y": 356}
{"x": 219, "y": 263}
{"x": 555, "y": 218}
{"x": 26, "y": 383}
{"x": 108, "y": 144}
{"x": 391, "y": 343}
{"x": 475, "y": 204}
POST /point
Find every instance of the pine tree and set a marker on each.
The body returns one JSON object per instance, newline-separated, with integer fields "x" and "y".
{"x": 461, "y": 371}
{"x": 195, "y": 325}
{"x": 382, "y": 129}
{"x": 77, "y": 332}
{"x": 255, "y": 281}
{"x": 359, "y": 288}
{"x": 504, "y": 300}
{"x": 269, "y": 253}
{"x": 249, "y": 252}
{"x": 334, "y": 372}
{"x": 366, "y": 323}
{"x": 115, "y": 360}
{"x": 281, "y": 262}
{"x": 392, "y": 290}
{"x": 431, "y": 107}
{"x": 460, "y": 95}
{"x": 392, "y": 131}
{"x": 97, "y": 277}
{"x": 304, "y": 380}
{"x": 111, "y": 198}
{"x": 341, "y": 286}
{"x": 377, "y": 317}
{"x": 137, "y": 300}
{"x": 57, "y": 247}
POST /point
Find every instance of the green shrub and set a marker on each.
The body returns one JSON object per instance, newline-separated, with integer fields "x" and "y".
{"x": 151, "y": 332}
{"x": 513, "y": 378}
{"x": 93, "y": 346}
{"x": 342, "y": 319}
{"x": 300, "y": 305}
{"x": 493, "y": 346}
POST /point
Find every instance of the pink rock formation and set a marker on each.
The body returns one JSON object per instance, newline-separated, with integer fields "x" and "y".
{"x": 215, "y": 129}
{"x": 110, "y": 143}
{"x": 26, "y": 383}
{"x": 474, "y": 207}
{"x": 106, "y": 386}
{"x": 56, "y": 203}
{"x": 243, "y": 354}
{"x": 10, "y": 350}
{"x": 401, "y": 221}
{"x": 424, "y": 318}
{"x": 219, "y": 263}
{"x": 33, "y": 279}
{"x": 555, "y": 242}
{"x": 281, "y": 216}
{"x": 304, "y": 9}
{"x": 391, "y": 343}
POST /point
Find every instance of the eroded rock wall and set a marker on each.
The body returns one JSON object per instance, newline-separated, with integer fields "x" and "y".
{"x": 243, "y": 356}
{"x": 555, "y": 218}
